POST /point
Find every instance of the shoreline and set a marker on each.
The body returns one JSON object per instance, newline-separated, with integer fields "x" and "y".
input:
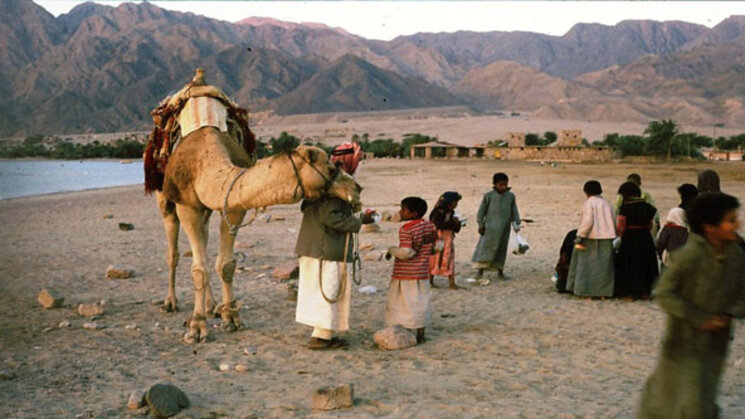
{"x": 80, "y": 191}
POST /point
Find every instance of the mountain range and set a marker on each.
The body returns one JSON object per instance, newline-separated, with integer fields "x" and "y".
{"x": 102, "y": 69}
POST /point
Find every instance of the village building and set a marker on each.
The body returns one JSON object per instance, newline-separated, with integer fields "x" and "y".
{"x": 567, "y": 147}
{"x": 723, "y": 155}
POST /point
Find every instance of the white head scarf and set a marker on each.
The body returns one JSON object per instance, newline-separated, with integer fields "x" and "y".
{"x": 677, "y": 216}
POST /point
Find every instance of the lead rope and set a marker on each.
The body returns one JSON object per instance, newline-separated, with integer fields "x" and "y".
{"x": 343, "y": 285}
{"x": 356, "y": 261}
{"x": 233, "y": 228}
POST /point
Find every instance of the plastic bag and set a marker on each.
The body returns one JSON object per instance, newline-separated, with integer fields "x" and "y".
{"x": 517, "y": 245}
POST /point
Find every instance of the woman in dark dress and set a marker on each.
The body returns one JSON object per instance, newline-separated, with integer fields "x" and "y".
{"x": 636, "y": 260}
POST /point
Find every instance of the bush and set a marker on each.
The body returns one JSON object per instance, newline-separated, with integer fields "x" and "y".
{"x": 285, "y": 143}
{"x": 123, "y": 148}
{"x": 627, "y": 145}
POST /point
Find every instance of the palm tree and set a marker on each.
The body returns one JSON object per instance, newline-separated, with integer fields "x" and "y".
{"x": 661, "y": 135}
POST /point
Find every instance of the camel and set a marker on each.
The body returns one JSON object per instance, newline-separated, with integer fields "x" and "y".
{"x": 209, "y": 171}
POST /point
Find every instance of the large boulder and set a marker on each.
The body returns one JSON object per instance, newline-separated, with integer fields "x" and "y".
{"x": 165, "y": 400}
{"x": 394, "y": 338}
{"x": 330, "y": 398}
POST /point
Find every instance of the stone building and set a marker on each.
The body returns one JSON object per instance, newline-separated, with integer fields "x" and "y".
{"x": 515, "y": 139}
{"x": 439, "y": 149}
{"x": 569, "y": 138}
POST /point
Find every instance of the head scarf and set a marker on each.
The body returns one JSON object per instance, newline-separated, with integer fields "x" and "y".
{"x": 677, "y": 216}
{"x": 708, "y": 181}
{"x": 446, "y": 199}
{"x": 449, "y": 197}
{"x": 687, "y": 193}
{"x": 348, "y": 156}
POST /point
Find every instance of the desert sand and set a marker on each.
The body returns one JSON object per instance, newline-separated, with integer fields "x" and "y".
{"x": 514, "y": 348}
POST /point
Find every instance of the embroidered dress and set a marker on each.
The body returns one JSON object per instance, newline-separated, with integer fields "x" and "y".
{"x": 443, "y": 262}
{"x": 636, "y": 261}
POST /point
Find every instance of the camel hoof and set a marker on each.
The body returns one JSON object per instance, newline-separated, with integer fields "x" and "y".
{"x": 230, "y": 317}
{"x": 169, "y": 305}
{"x": 230, "y": 326}
{"x": 169, "y": 308}
{"x": 198, "y": 331}
{"x": 189, "y": 339}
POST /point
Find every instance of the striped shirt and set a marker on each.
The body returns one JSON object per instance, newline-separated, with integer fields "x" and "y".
{"x": 419, "y": 235}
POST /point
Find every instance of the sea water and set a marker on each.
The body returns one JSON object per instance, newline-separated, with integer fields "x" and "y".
{"x": 37, "y": 177}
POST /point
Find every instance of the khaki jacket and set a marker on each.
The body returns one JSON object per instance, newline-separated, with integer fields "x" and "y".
{"x": 326, "y": 222}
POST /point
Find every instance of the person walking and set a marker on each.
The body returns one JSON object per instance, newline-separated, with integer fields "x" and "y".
{"x": 701, "y": 291}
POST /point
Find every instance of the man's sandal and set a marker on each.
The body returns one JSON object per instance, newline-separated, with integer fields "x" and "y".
{"x": 319, "y": 344}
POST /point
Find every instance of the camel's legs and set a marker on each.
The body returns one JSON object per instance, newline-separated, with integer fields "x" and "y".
{"x": 225, "y": 266}
{"x": 171, "y": 224}
{"x": 209, "y": 299}
{"x": 194, "y": 221}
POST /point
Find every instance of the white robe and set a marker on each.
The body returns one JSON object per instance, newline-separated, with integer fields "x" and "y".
{"x": 408, "y": 304}
{"x": 312, "y": 308}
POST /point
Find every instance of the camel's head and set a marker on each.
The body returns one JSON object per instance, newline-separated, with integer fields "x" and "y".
{"x": 321, "y": 177}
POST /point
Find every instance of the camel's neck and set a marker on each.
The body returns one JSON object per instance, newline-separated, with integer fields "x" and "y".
{"x": 271, "y": 181}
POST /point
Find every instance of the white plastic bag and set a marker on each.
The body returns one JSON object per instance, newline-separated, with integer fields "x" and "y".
{"x": 517, "y": 245}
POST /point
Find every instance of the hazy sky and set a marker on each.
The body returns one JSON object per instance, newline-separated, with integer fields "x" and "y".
{"x": 387, "y": 19}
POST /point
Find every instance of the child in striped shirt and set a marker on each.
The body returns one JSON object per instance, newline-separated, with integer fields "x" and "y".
{"x": 409, "y": 292}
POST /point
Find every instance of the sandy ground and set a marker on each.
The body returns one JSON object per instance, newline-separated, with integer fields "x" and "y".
{"x": 512, "y": 349}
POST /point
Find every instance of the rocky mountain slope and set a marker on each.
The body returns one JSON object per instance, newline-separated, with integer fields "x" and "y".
{"x": 101, "y": 68}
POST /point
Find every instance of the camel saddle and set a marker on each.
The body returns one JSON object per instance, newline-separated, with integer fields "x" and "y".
{"x": 196, "y": 105}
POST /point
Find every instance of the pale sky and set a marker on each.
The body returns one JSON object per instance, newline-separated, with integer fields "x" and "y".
{"x": 387, "y": 19}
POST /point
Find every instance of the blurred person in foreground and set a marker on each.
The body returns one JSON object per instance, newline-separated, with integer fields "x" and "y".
{"x": 701, "y": 291}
